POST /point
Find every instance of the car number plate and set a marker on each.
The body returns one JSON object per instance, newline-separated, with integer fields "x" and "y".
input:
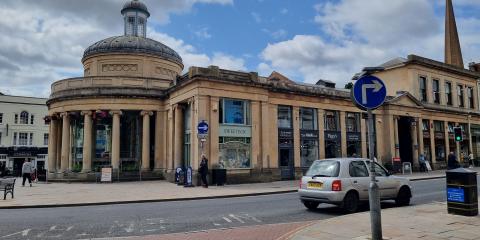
{"x": 315, "y": 185}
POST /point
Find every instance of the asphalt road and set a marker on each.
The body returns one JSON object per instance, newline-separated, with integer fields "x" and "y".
{"x": 171, "y": 217}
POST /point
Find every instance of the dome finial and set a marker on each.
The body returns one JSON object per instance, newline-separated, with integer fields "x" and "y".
{"x": 135, "y": 14}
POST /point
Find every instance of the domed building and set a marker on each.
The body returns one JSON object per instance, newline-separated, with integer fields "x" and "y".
{"x": 136, "y": 113}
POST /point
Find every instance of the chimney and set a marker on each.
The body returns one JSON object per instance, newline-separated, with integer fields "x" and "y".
{"x": 475, "y": 67}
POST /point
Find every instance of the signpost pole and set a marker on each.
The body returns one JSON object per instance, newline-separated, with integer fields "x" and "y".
{"x": 375, "y": 214}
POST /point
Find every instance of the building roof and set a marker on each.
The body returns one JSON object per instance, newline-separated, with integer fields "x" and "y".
{"x": 132, "y": 44}
{"x": 135, "y": 5}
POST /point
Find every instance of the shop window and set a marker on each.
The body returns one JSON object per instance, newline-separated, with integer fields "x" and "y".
{"x": 308, "y": 119}
{"x": 331, "y": 121}
{"x": 460, "y": 96}
{"x": 352, "y": 122}
{"x": 425, "y": 125}
{"x": 436, "y": 91}
{"x": 24, "y": 117}
{"x": 438, "y": 126}
{"x": 235, "y": 111}
{"x": 234, "y": 152}
{"x": 308, "y": 152}
{"x": 448, "y": 93}
{"x": 423, "y": 88}
{"x": 284, "y": 117}
{"x": 471, "y": 104}
{"x": 45, "y": 139}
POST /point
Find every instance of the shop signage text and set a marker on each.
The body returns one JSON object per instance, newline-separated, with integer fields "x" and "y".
{"x": 353, "y": 137}
{"x": 332, "y": 136}
{"x": 308, "y": 134}
{"x": 235, "y": 131}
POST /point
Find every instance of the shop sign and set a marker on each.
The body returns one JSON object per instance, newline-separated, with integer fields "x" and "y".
{"x": 235, "y": 131}
{"x": 440, "y": 135}
{"x": 22, "y": 151}
{"x": 285, "y": 133}
{"x": 353, "y": 137}
{"x": 332, "y": 136}
{"x": 426, "y": 134}
{"x": 309, "y": 134}
{"x": 106, "y": 175}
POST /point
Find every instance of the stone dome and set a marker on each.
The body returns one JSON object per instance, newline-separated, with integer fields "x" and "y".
{"x": 132, "y": 44}
{"x": 135, "y": 5}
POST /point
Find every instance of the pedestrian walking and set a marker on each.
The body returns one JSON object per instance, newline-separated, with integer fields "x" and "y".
{"x": 452, "y": 161}
{"x": 204, "y": 171}
{"x": 27, "y": 169}
{"x": 470, "y": 160}
{"x": 423, "y": 163}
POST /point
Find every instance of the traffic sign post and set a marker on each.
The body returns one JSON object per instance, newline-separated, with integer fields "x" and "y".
{"x": 368, "y": 93}
{"x": 202, "y": 129}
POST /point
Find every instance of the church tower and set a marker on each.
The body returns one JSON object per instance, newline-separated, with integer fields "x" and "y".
{"x": 453, "y": 52}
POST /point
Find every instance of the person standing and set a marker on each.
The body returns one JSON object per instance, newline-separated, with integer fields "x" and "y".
{"x": 204, "y": 171}
{"x": 423, "y": 165}
{"x": 470, "y": 160}
{"x": 452, "y": 161}
{"x": 27, "y": 170}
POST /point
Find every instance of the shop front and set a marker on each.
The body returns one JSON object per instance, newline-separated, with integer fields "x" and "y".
{"x": 426, "y": 139}
{"x": 285, "y": 143}
{"x": 475, "y": 131}
{"x": 308, "y": 137}
{"x": 333, "y": 140}
{"x": 440, "y": 150}
{"x": 354, "y": 136}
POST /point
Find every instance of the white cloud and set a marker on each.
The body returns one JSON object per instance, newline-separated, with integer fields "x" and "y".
{"x": 377, "y": 32}
{"x": 203, "y": 33}
{"x": 256, "y": 17}
{"x": 43, "y": 41}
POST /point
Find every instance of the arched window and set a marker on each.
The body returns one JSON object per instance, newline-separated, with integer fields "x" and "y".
{"x": 24, "y": 117}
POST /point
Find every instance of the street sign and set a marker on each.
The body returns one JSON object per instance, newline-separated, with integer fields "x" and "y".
{"x": 202, "y": 127}
{"x": 369, "y": 92}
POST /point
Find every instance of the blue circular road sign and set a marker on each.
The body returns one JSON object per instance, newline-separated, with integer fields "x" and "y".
{"x": 369, "y": 92}
{"x": 202, "y": 127}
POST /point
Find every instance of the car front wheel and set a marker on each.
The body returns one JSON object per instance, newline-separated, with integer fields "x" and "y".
{"x": 403, "y": 197}
{"x": 310, "y": 205}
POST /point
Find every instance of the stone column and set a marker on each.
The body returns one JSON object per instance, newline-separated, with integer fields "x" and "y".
{"x": 395, "y": 132}
{"x": 256, "y": 141}
{"x": 214, "y": 129}
{"x": 146, "y": 140}
{"x": 65, "y": 141}
{"x": 321, "y": 133}
{"x": 116, "y": 139}
{"x": 170, "y": 141}
{"x": 413, "y": 133}
{"x": 447, "y": 138}
{"x": 87, "y": 141}
{"x": 363, "y": 130}
{"x": 296, "y": 137}
{"x": 159, "y": 140}
{"x": 432, "y": 142}
{"x": 265, "y": 135}
{"x": 58, "y": 157}
{"x": 178, "y": 136}
{"x": 52, "y": 145}
{"x": 420, "y": 137}
{"x": 343, "y": 128}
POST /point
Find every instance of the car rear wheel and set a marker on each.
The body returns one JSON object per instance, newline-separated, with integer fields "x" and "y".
{"x": 403, "y": 197}
{"x": 350, "y": 202}
{"x": 310, "y": 205}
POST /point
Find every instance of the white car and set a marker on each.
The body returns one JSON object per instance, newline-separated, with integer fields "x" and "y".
{"x": 345, "y": 182}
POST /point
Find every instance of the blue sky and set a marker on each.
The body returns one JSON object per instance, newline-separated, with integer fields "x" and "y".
{"x": 306, "y": 40}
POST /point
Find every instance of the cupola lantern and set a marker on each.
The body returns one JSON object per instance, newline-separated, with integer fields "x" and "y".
{"x": 135, "y": 14}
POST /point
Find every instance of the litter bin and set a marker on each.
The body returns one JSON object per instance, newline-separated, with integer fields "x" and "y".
{"x": 462, "y": 198}
{"x": 219, "y": 176}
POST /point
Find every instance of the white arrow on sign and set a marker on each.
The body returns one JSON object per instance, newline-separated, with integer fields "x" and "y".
{"x": 376, "y": 87}
{"x": 204, "y": 128}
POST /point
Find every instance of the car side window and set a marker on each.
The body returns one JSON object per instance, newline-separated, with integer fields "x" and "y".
{"x": 358, "y": 169}
{"x": 379, "y": 171}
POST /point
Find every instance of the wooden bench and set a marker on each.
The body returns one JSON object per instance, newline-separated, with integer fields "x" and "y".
{"x": 7, "y": 185}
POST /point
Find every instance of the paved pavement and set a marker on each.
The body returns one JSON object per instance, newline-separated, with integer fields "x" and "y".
{"x": 122, "y": 220}
{"x": 429, "y": 221}
{"x": 75, "y": 194}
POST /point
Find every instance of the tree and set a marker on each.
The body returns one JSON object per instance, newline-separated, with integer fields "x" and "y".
{"x": 349, "y": 85}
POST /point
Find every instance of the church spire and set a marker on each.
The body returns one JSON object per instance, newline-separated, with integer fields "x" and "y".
{"x": 453, "y": 52}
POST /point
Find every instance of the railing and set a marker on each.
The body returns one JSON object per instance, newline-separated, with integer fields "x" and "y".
{"x": 108, "y": 82}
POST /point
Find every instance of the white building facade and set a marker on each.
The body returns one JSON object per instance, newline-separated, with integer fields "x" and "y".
{"x": 23, "y": 132}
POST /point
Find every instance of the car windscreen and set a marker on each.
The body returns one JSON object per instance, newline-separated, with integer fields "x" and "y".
{"x": 324, "y": 168}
